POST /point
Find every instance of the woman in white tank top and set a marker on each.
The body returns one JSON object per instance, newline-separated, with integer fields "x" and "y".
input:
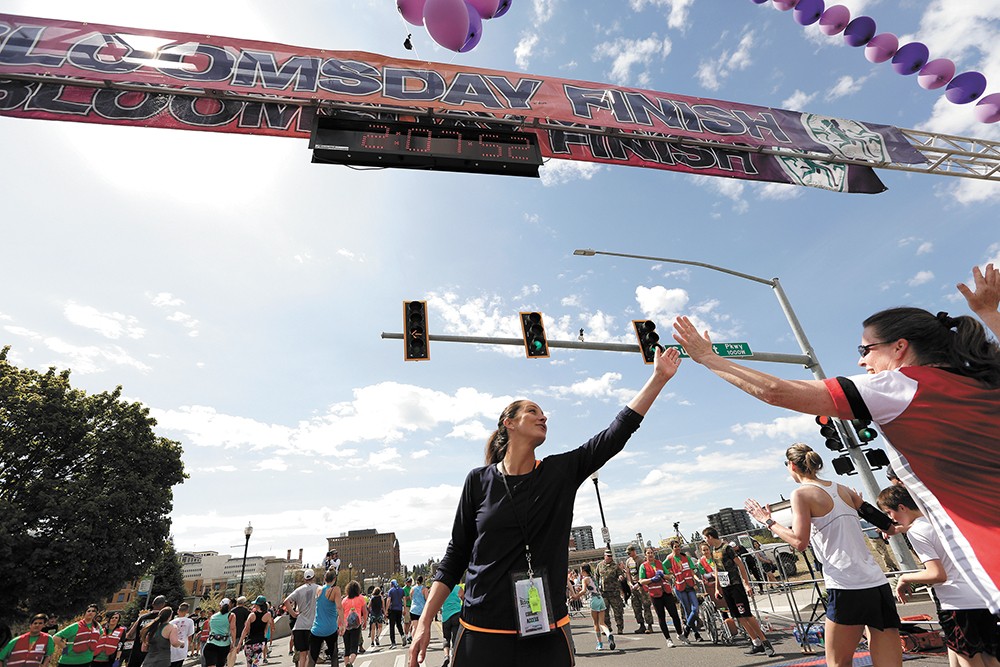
{"x": 826, "y": 514}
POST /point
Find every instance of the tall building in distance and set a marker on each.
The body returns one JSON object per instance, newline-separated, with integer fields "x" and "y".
{"x": 369, "y": 551}
{"x": 581, "y": 538}
{"x": 729, "y": 521}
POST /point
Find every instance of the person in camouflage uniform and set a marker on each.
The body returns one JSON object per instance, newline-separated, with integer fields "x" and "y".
{"x": 609, "y": 574}
{"x": 641, "y": 604}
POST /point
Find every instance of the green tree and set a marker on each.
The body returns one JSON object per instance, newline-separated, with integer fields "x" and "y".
{"x": 85, "y": 491}
{"x": 168, "y": 580}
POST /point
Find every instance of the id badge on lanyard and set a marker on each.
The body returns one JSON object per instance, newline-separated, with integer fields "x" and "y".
{"x": 532, "y": 603}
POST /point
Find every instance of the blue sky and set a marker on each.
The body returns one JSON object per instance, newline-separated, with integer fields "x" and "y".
{"x": 240, "y": 291}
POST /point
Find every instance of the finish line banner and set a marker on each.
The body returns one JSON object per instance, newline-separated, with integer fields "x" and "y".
{"x": 602, "y": 123}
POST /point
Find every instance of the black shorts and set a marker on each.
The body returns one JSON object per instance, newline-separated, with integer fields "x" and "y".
{"x": 970, "y": 632}
{"x": 449, "y": 628}
{"x": 874, "y": 607}
{"x": 737, "y": 601}
{"x": 300, "y": 639}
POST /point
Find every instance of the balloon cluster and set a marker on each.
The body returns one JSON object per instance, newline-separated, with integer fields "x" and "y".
{"x": 911, "y": 58}
{"x": 454, "y": 24}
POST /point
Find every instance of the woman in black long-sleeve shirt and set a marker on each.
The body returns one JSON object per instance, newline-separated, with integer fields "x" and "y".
{"x": 516, "y": 502}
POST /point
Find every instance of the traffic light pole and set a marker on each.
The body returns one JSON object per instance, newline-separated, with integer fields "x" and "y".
{"x": 774, "y": 357}
{"x": 868, "y": 481}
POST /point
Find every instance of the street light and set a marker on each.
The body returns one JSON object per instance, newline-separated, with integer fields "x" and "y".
{"x": 605, "y": 533}
{"x": 247, "y": 532}
{"x": 860, "y": 462}
{"x": 350, "y": 572}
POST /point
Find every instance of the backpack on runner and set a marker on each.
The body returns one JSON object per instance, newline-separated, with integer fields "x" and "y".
{"x": 353, "y": 619}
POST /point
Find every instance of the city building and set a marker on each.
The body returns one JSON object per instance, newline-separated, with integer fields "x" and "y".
{"x": 582, "y": 538}
{"x": 368, "y": 552}
{"x": 729, "y": 521}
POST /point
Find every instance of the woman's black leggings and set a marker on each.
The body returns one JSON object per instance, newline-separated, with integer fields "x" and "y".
{"x": 663, "y": 604}
{"x": 483, "y": 649}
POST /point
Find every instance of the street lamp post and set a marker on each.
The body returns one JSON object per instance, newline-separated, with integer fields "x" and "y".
{"x": 857, "y": 456}
{"x": 247, "y": 532}
{"x": 350, "y": 572}
{"x": 605, "y": 533}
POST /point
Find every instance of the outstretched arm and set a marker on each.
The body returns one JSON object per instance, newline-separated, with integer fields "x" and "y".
{"x": 985, "y": 299}
{"x": 665, "y": 364}
{"x": 806, "y": 396}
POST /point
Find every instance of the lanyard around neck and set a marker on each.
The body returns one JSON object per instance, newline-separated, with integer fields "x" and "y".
{"x": 520, "y": 523}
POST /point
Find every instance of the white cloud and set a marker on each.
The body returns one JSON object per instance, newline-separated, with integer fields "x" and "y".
{"x": 711, "y": 72}
{"x": 660, "y": 303}
{"x": 921, "y": 278}
{"x": 88, "y": 359}
{"x": 600, "y": 388}
{"x": 165, "y": 300}
{"x": 798, "y": 100}
{"x": 524, "y": 50}
{"x": 544, "y": 10}
{"x": 109, "y": 325}
{"x": 347, "y": 254}
{"x": 678, "y": 16}
{"x": 925, "y": 248}
{"x": 275, "y": 464}
{"x": 629, "y": 54}
{"x": 778, "y": 191}
{"x": 846, "y": 85}
{"x": 559, "y": 172}
{"x": 420, "y": 454}
{"x": 787, "y": 429}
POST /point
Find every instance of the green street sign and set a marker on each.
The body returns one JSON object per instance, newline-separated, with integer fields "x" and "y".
{"x": 723, "y": 349}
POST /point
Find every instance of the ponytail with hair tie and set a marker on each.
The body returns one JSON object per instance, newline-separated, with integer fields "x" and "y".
{"x": 946, "y": 321}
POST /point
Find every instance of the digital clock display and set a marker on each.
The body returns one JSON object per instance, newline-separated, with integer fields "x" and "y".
{"x": 371, "y": 142}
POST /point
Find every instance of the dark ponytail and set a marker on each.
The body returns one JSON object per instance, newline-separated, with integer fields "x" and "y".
{"x": 496, "y": 444}
{"x": 957, "y": 343}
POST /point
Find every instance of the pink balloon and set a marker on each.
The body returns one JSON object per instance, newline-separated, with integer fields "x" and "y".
{"x": 486, "y": 8}
{"x": 504, "y": 6}
{"x": 834, "y": 20}
{"x": 965, "y": 88}
{"x": 412, "y": 11}
{"x": 785, "y": 5}
{"x": 936, "y": 73}
{"x": 452, "y": 23}
{"x": 881, "y": 47}
{"x": 988, "y": 109}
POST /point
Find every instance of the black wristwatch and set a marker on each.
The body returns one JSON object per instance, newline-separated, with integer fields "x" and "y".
{"x": 770, "y": 522}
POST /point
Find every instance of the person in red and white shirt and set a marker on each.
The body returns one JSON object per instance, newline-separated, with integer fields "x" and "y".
{"x": 932, "y": 385}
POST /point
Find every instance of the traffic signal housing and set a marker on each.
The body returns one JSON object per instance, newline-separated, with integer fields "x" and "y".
{"x": 649, "y": 340}
{"x": 828, "y": 429}
{"x": 864, "y": 430}
{"x": 843, "y": 465}
{"x": 533, "y": 332}
{"x": 415, "y": 343}
{"x": 877, "y": 458}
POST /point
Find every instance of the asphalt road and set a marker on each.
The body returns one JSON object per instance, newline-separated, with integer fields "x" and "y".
{"x": 646, "y": 650}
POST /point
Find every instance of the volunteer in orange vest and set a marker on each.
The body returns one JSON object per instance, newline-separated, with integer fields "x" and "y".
{"x": 32, "y": 649}
{"x": 106, "y": 651}
{"x": 685, "y": 570}
{"x": 78, "y": 640}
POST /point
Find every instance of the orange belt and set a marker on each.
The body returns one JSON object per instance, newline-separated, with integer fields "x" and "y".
{"x": 475, "y": 628}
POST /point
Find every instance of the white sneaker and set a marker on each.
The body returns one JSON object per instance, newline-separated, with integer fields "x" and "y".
{"x": 670, "y": 644}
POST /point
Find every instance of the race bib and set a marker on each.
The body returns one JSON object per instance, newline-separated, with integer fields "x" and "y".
{"x": 531, "y": 604}
{"x": 723, "y": 578}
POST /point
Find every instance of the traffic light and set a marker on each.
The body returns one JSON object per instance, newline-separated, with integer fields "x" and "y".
{"x": 864, "y": 430}
{"x": 828, "y": 429}
{"x": 877, "y": 458}
{"x": 649, "y": 340}
{"x": 533, "y": 332}
{"x": 415, "y": 331}
{"x": 843, "y": 465}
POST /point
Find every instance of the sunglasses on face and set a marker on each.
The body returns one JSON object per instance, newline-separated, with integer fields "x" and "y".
{"x": 863, "y": 350}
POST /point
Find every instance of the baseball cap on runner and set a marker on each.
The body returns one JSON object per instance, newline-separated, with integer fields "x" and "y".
{"x": 224, "y": 602}
{"x": 160, "y": 600}
{"x": 308, "y": 574}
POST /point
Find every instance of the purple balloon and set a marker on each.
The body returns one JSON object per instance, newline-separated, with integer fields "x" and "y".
{"x": 834, "y": 20}
{"x": 504, "y": 6}
{"x": 910, "y": 58}
{"x": 452, "y": 23}
{"x": 859, "y": 31}
{"x": 486, "y": 8}
{"x": 473, "y": 39}
{"x": 965, "y": 88}
{"x": 785, "y": 5}
{"x": 808, "y": 12}
{"x": 412, "y": 11}
{"x": 882, "y": 47}
{"x": 936, "y": 73}
{"x": 988, "y": 109}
